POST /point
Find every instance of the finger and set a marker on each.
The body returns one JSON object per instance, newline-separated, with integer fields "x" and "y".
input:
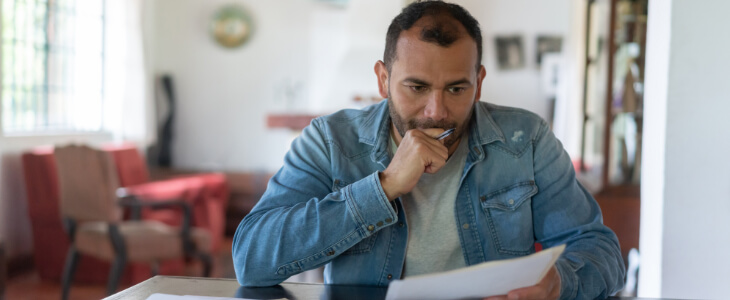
{"x": 436, "y": 155}
{"x": 426, "y": 145}
{"x": 433, "y": 162}
{"x": 426, "y": 136}
{"x": 434, "y": 167}
{"x": 438, "y": 149}
{"x": 500, "y": 297}
{"x": 433, "y": 132}
{"x": 530, "y": 292}
{"x": 547, "y": 288}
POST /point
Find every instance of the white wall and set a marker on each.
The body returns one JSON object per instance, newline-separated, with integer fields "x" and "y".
{"x": 325, "y": 53}
{"x": 651, "y": 234}
{"x": 528, "y": 18}
{"x": 223, "y": 95}
{"x": 686, "y": 210}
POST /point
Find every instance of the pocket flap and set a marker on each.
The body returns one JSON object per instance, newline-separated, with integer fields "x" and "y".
{"x": 511, "y": 197}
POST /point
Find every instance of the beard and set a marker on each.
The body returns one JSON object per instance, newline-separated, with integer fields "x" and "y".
{"x": 403, "y": 125}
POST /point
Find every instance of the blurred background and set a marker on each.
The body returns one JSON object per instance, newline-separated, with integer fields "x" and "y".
{"x": 199, "y": 100}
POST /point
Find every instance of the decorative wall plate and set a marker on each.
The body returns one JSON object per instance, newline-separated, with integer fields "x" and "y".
{"x": 231, "y": 26}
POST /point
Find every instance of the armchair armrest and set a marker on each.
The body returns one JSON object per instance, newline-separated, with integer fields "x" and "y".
{"x": 207, "y": 195}
{"x": 135, "y": 204}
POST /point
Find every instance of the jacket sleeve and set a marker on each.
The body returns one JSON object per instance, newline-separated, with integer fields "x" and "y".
{"x": 301, "y": 222}
{"x": 565, "y": 213}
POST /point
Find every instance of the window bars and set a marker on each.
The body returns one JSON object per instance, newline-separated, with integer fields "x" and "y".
{"x": 52, "y": 65}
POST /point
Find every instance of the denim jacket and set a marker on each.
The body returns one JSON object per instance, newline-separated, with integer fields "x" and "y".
{"x": 326, "y": 207}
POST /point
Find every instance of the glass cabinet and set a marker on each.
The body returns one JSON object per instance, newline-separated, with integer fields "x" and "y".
{"x": 613, "y": 94}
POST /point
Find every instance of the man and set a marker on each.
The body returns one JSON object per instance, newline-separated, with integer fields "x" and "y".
{"x": 373, "y": 196}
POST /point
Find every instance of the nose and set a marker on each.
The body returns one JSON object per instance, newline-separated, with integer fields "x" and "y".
{"x": 435, "y": 108}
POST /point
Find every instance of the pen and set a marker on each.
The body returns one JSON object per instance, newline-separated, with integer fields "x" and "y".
{"x": 444, "y": 134}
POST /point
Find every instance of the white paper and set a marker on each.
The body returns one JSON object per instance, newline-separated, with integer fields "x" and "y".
{"x": 478, "y": 281}
{"x": 159, "y": 296}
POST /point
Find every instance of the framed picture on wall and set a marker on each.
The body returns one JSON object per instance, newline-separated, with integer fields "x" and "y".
{"x": 547, "y": 44}
{"x": 510, "y": 52}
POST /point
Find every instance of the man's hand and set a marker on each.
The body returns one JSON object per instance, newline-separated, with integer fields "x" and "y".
{"x": 547, "y": 288}
{"x": 417, "y": 153}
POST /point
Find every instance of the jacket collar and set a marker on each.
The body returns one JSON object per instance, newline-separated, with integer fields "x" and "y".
{"x": 375, "y": 131}
{"x": 486, "y": 129}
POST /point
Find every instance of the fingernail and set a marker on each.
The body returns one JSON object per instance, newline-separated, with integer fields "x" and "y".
{"x": 513, "y": 296}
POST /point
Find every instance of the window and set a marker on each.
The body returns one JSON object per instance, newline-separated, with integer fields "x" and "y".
{"x": 52, "y": 65}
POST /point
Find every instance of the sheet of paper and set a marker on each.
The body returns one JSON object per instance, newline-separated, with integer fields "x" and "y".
{"x": 482, "y": 280}
{"x": 159, "y": 296}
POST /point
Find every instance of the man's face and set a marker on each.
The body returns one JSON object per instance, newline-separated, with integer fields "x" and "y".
{"x": 430, "y": 86}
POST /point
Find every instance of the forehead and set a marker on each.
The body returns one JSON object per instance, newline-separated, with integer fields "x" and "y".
{"x": 415, "y": 57}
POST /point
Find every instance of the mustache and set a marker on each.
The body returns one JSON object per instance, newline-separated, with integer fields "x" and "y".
{"x": 430, "y": 123}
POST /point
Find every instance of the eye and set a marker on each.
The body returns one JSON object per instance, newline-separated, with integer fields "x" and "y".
{"x": 418, "y": 88}
{"x": 456, "y": 90}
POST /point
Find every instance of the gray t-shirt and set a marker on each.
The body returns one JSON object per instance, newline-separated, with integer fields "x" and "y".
{"x": 433, "y": 238}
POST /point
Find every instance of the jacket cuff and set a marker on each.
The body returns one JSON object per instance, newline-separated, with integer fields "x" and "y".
{"x": 369, "y": 205}
{"x": 568, "y": 279}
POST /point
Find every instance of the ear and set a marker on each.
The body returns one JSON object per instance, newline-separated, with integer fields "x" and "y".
{"x": 480, "y": 78}
{"x": 382, "y": 73}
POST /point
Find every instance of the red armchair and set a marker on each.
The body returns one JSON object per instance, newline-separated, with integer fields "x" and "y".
{"x": 207, "y": 194}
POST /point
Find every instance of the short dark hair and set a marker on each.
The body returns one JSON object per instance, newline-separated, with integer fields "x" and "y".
{"x": 436, "y": 33}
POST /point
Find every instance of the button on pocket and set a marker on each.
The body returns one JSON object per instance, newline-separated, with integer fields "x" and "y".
{"x": 509, "y": 215}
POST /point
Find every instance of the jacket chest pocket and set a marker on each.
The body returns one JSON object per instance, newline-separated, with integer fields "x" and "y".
{"x": 365, "y": 245}
{"x": 509, "y": 216}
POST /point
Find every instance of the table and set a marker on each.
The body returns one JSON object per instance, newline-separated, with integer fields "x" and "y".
{"x": 223, "y": 287}
{"x": 2, "y": 271}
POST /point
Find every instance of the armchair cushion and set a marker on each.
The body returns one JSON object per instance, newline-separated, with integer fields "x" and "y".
{"x": 145, "y": 241}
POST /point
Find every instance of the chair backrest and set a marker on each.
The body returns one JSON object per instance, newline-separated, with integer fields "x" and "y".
{"x": 87, "y": 182}
{"x": 131, "y": 166}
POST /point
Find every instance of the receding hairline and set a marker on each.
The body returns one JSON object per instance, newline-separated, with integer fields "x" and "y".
{"x": 440, "y": 20}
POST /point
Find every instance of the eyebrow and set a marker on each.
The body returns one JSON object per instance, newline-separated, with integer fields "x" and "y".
{"x": 423, "y": 82}
{"x": 416, "y": 81}
{"x": 460, "y": 81}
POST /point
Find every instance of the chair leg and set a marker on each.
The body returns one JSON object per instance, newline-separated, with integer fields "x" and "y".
{"x": 115, "y": 274}
{"x": 72, "y": 258}
{"x": 120, "y": 260}
{"x": 207, "y": 263}
{"x": 154, "y": 268}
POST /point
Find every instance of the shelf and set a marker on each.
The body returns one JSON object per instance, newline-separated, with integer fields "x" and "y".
{"x": 291, "y": 121}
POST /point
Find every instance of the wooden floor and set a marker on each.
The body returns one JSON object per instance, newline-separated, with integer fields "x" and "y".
{"x": 29, "y": 286}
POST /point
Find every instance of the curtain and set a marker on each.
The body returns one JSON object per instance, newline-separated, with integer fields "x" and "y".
{"x": 128, "y": 100}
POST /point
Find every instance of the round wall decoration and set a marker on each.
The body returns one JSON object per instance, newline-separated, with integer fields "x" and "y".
{"x": 231, "y": 26}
